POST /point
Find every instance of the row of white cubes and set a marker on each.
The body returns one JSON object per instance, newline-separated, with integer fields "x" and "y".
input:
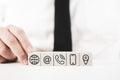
{"x": 60, "y": 59}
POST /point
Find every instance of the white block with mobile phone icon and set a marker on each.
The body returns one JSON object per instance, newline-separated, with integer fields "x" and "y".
{"x": 72, "y": 59}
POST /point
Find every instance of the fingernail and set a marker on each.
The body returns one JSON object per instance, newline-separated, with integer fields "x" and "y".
{"x": 30, "y": 49}
{"x": 25, "y": 61}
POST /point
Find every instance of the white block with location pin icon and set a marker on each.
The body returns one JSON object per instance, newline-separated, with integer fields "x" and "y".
{"x": 73, "y": 59}
{"x": 60, "y": 58}
{"x": 34, "y": 58}
{"x": 46, "y": 58}
{"x": 85, "y": 59}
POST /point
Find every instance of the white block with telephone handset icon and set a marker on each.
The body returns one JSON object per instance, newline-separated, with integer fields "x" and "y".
{"x": 60, "y": 59}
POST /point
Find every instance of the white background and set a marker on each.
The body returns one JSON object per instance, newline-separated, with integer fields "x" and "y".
{"x": 22, "y": 72}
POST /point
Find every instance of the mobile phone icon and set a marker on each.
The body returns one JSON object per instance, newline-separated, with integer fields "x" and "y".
{"x": 72, "y": 59}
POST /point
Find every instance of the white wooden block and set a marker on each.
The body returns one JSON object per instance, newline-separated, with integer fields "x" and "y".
{"x": 73, "y": 59}
{"x": 85, "y": 59}
{"x": 46, "y": 58}
{"x": 60, "y": 58}
{"x": 34, "y": 58}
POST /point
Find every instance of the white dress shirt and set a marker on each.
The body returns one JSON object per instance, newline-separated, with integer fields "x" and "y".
{"x": 95, "y": 24}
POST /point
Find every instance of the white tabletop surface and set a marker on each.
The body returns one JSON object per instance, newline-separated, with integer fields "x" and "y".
{"x": 17, "y": 71}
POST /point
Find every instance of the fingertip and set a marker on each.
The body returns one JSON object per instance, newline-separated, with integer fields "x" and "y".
{"x": 30, "y": 49}
{"x": 23, "y": 58}
{"x": 25, "y": 61}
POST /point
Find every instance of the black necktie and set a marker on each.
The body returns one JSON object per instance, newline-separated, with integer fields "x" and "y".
{"x": 62, "y": 31}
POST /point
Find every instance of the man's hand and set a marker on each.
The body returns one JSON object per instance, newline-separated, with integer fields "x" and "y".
{"x": 13, "y": 44}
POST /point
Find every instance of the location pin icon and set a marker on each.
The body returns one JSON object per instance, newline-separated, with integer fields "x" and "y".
{"x": 85, "y": 58}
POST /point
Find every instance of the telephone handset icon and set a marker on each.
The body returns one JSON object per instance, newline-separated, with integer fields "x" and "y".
{"x": 60, "y": 59}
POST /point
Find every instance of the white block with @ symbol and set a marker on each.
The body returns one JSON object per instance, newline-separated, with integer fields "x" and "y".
{"x": 46, "y": 58}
